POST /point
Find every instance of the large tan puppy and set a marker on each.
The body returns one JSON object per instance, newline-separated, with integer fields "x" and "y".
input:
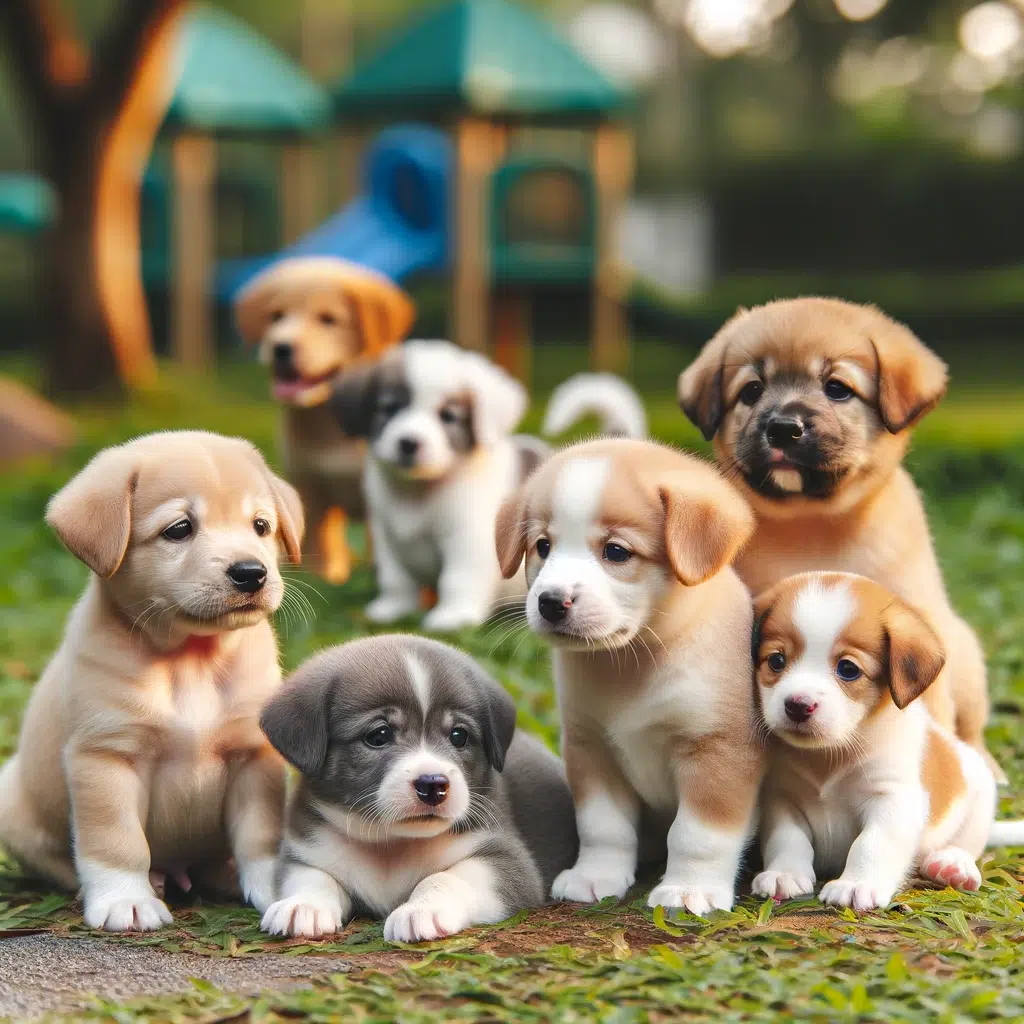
{"x": 810, "y": 403}
{"x": 141, "y": 749}
{"x": 313, "y": 318}
{"x": 627, "y": 547}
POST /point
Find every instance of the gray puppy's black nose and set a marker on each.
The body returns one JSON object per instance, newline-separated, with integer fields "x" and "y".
{"x": 248, "y": 577}
{"x": 432, "y": 789}
{"x": 783, "y": 431}
{"x": 408, "y": 445}
{"x": 553, "y": 607}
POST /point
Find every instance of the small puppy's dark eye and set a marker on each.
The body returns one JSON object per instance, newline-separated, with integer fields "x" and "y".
{"x": 327, "y": 319}
{"x": 448, "y": 415}
{"x": 617, "y": 553}
{"x": 459, "y": 736}
{"x": 543, "y": 547}
{"x": 837, "y": 390}
{"x": 777, "y": 661}
{"x": 381, "y": 736}
{"x": 179, "y": 530}
{"x": 261, "y": 526}
{"x": 847, "y": 670}
{"x": 751, "y": 392}
{"x": 275, "y": 315}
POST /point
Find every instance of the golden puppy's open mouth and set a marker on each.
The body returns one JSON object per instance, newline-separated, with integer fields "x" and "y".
{"x": 304, "y": 391}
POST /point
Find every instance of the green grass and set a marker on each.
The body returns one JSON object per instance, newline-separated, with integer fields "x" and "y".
{"x": 935, "y": 955}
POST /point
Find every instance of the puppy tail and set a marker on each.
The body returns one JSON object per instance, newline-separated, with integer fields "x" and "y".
{"x": 603, "y": 395}
{"x": 1006, "y": 833}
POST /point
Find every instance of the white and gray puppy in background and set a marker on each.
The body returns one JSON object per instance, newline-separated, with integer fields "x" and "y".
{"x": 442, "y": 458}
{"x": 419, "y": 803}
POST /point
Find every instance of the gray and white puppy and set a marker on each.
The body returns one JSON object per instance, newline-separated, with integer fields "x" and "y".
{"x": 419, "y": 802}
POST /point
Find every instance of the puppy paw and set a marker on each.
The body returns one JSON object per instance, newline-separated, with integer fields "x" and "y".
{"x": 383, "y": 610}
{"x": 697, "y": 899}
{"x": 126, "y": 913}
{"x": 423, "y": 921}
{"x": 952, "y": 866}
{"x": 447, "y": 620}
{"x": 307, "y": 916}
{"x": 257, "y": 881}
{"x": 576, "y": 885}
{"x": 860, "y": 895}
{"x": 781, "y": 885}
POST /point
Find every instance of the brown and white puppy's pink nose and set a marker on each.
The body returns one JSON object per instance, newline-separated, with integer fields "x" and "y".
{"x": 831, "y": 650}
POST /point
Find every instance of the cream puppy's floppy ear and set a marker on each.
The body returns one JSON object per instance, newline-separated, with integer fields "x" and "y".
{"x": 916, "y": 654}
{"x": 291, "y": 519}
{"x": 92, "y": 513}
{"x": 700, "y": 389}
{"x": 354, "y": 399}
{"x": 705, "y": 527}
{"x": 510, "y": 534}
{"x": 252, "y": 306}
{"x": 499, "y": 400}
{"x": 911, "y": 378}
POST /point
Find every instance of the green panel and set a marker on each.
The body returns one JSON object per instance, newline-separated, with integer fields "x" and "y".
{"x": 487, "y": 57}
{"x": 230, "y": 79}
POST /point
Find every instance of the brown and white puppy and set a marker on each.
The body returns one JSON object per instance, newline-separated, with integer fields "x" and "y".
{"x": 140, "y": 750}
{"x": 861, "y": 779}
{"x": 811, "y": 403}
{"x": 313, "y": 317}
{"x": 627, "y": 547}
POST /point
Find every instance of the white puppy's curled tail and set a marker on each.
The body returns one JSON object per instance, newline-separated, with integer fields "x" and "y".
{"x": 596, "y": 394}
{"x": 1006, "y": 833}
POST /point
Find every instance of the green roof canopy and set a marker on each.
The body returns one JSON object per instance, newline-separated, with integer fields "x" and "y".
{"x": 231, "y": 80}
{"x": 486, "y": 57}
{"x": 27, "y": 204}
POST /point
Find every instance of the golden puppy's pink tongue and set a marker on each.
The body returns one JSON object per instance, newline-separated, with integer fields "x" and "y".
{"x": 286, "y": 390}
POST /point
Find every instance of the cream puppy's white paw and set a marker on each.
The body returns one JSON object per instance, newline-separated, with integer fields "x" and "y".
{"x": 953, "y": 866}
{"x": 447, "y": 619}
{"x": 860, "y": 895}
{"x": 586, "y": 885}
{"x": 422, "y": 920}
{"x": 697, "y": 899}
{"x": 120, "y": 901}
{"x": 383, "y": 610}
{"x": 257, "y": 882}
{"x": 310, "y": 915}
{"x": 781, "y": 885}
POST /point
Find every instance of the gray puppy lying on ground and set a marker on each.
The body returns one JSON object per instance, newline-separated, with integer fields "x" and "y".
{"x": 419, "y": 802}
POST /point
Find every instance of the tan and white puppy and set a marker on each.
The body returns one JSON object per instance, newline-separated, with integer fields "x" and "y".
{"x": 627, "y": 547}
{"x": 811, "y": 403}
{"x": 861, "y": 782}
{"x": 313, "y": 318}
{"x": 140, "y": 750}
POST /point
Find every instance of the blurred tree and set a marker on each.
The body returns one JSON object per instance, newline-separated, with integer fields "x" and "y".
{"x": 93, "y": 112}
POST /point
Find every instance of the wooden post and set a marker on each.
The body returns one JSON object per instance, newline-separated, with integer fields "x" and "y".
{"x": 479, "y": 146}
{"x": 301, "y": 180}
{"x": 513, "y": 348}
{"x": 613, "y": 177}
{"x": 192, "y": 325}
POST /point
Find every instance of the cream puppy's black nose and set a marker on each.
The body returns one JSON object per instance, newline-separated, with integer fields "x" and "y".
{"x": 408, "y": 445}
{"x": 553, "y": 607}
{"x": 248, "y": 577}
{"x": 783, "y": 431}
{"x": 799, "y": 709}
{"x": 432, "y": 789}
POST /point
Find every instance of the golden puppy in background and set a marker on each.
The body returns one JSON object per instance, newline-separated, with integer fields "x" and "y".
{"x": 140, "y": 751}
{"x": 313, "y": 317}
{"x": 627, "y": 547}
{"x": 811, "y": 403}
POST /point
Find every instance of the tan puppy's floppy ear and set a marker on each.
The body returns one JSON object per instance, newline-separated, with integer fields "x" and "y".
{"x": 703, "y": 531}
{"x": 382, "y": 310}
{"x": 92, "y": 513}
{"x": 291, "y": 520}
{"x": 700, "y": 388}
{"x": 510, "y": 534}
{"x": 251, "y": 308}
{"x": 911, "y": 378}
{"x": 916, "y": 654}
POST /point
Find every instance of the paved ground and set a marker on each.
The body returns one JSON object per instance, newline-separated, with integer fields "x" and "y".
{"x": 44, "y": 973}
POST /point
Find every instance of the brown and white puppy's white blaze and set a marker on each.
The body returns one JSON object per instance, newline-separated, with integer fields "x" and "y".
{"x": 811, "y": 403}
{"x": 627, "y": 547}
{"x": 140, "y": 750}
{"x": 419, "y": 803}
{"x": 861, "y": 780}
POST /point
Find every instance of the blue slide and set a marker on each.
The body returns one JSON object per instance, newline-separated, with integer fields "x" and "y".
{"x": 398, "y": 227}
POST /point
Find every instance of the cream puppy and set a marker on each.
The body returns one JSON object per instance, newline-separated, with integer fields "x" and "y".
{"x": 627, "y": 547}
{"x": 140, "y": 752}
{"x": 861, "y": 780}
